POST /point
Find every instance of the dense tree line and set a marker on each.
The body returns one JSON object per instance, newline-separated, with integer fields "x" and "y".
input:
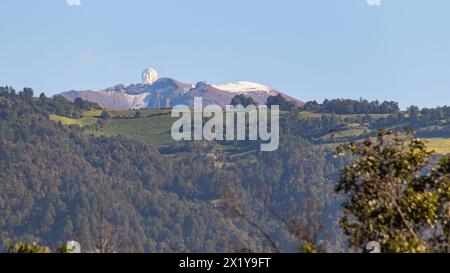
{"x": 284, "y": 104}
{"x": 57, "y": 105}
{"x": 243, "y": 100}
{"x": 348, "y": 106}
{"x": 435, "y": 119}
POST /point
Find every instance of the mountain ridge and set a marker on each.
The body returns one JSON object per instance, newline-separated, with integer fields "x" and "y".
{"x": 167, "y": 92}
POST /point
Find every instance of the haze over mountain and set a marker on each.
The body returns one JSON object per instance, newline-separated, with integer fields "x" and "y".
{"x": 167, "y": 92}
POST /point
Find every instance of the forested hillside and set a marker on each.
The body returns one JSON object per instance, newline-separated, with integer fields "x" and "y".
{"x": 61, "y": 182}
{"x": 114, "y": 181}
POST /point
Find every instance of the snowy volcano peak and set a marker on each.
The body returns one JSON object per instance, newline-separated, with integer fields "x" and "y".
{"x": 166, "y": 92}
{"x": 244, "y": 87}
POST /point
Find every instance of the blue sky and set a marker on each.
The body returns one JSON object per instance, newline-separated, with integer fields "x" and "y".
{"x": 309, "y": 49}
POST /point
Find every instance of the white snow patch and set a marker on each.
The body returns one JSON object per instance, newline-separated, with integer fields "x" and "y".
{"x": 243, "y": 87}
{"x": 133, "y": 101}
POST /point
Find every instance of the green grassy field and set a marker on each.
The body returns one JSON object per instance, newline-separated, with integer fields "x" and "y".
{"x": 86, "y": 121}
{"x": 153, "y": 130}
{"x": 144, "y": 113}
{"x": 92, "y": 113}
{"x": 439, "y": 145}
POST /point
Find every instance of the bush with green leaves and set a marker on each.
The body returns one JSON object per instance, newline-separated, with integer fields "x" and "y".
{"x": 395, "y": 197}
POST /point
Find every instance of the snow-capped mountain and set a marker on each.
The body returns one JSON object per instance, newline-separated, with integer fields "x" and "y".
{"x": 244, "y": 87}
{"x": 166, "y": 93}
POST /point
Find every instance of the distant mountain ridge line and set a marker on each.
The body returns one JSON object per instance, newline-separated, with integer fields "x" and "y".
{"x": 167, "y": 92}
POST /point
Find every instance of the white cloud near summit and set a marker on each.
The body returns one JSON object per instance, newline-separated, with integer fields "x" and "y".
{"x": 373, "y": 3}
{"x": 73, "y": 2}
